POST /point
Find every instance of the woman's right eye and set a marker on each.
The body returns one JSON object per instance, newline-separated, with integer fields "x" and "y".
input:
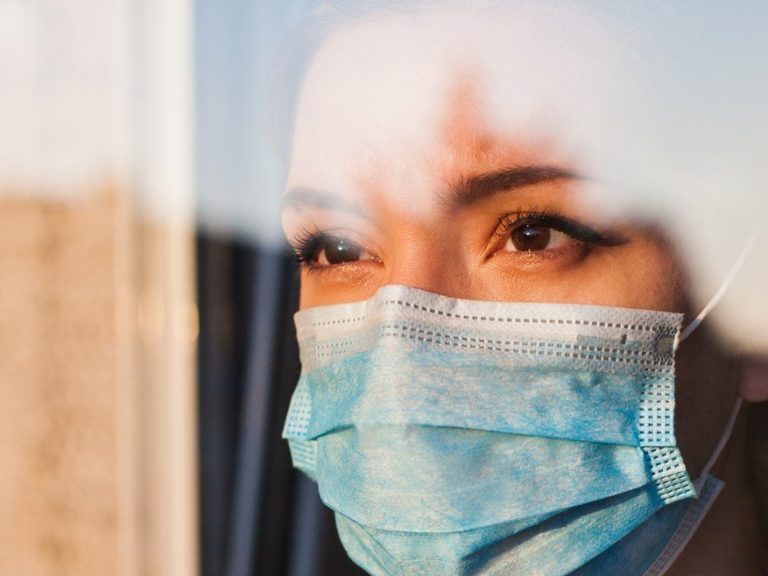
{"x": 338, "y": 251}
{"x": 323, "y": 250}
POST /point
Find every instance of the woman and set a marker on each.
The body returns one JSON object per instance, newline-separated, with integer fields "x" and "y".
{"x": 489, "y": 323}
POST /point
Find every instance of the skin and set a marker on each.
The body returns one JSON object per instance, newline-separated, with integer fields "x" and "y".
{"x": 443, "y": 236}
{"x": 463, "y": 251}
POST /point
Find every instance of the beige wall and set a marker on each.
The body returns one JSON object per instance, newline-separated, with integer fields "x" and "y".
{"x": 98, "y": 331}
{"x": 59, "y": 372}
{"x": 97, "y": 313}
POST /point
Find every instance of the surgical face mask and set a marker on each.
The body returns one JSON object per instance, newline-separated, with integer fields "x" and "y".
{"x": 465, "y": 437}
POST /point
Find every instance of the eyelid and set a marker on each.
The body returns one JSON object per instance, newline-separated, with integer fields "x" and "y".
{"x": 307, "y": 243}
{"x": 300, "y": 224}
{"x": 569, "y": 226}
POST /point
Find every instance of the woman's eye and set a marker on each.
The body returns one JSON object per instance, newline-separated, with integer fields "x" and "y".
{"x": 533, "y": 237}
{"x": 337, "y": 251}
{"x": 323, "y": 250}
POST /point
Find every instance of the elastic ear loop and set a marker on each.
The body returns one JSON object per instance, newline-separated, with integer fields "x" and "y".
{"x": 715, "y": 300}
{"x": 699, "y": 483}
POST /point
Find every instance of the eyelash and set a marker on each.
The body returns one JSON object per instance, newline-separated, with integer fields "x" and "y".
{"x": 308, "y": 243}
{"x": 552, "y": 219}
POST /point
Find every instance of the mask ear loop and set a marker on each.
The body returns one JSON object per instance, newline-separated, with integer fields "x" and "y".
{"x": 715, "y": 300}
{"x": 699, "y": 483}
{"x": 728, "y": 431}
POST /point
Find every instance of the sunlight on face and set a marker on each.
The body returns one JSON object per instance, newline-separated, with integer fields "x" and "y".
{"x": 407, "y": 169}
{"x": 655, "y": 111}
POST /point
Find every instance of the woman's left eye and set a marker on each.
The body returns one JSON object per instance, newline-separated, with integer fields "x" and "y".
{"x": 539, "y": 232}
{"x": 533, "y": 237}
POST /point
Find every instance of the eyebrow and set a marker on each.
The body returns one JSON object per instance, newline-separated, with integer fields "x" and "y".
{"x": 474, "y": 189}
{"x": 467, "y": 192}
{"x": 303, "y": 197}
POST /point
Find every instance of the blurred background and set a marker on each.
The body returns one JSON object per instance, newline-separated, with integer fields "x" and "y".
{"x": 147, "y": 354}
{"x": 146, "y": 347}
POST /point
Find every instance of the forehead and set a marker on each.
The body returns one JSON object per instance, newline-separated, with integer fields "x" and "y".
{"x": 431, "y": 86}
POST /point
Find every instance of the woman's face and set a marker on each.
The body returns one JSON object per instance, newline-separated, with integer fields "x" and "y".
{"x": 400, "y": 175}
{"x": 422, "y": 160}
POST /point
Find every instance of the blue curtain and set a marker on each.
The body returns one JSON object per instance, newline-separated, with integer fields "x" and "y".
{"x": 258, "y": 516}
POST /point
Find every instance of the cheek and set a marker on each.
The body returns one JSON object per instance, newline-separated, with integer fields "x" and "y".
{"x": 355, "y": 286}
{"x": 650, "y": 277}
{"x": 644, "y": 275}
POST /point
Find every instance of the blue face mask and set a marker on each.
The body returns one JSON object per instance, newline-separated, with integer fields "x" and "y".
{"x": 457, "y": 437}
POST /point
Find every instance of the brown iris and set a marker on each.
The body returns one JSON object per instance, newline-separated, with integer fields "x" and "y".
{"x": 530, "y": 237}
{"x": 339, "y": 251}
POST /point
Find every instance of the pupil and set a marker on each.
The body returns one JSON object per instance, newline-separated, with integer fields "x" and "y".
{"x": 531, "y": 237}
{"x": 341, "y": 251}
